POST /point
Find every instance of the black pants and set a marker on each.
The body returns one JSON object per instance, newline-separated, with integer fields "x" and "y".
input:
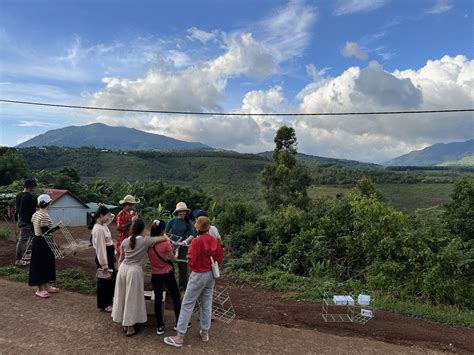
{"x": 167, "y": 280}
{"x": 183, "y": 268}
{"x": 105, "y": 287}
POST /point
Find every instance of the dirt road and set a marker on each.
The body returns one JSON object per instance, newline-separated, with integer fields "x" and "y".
{"x": 70, "y": 323}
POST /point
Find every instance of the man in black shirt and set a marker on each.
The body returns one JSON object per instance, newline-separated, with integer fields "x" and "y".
{"x": 25, "y": 208}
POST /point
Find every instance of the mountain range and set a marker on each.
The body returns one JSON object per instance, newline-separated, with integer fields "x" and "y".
{"x": 99, "y": 135}
{"x": 435, "y": 154}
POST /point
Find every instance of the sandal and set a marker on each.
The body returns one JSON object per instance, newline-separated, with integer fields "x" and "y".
{"x": 42, "y": 294}
{"x": 172, "y": 342}
{"x": 204, "y": 336}
{"x": 52, "y": 289}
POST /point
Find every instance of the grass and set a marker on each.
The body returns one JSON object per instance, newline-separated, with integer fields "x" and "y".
{"x": 73, "y": 279}
{"x": 404, "y": 197}
{"x": 409, "y": 197}
{"x": 5, "y": 233}
{"x": 312, "y": 290}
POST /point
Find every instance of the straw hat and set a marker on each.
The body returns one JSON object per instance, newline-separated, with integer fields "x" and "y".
{"x": 181, "y": 206}
{"x": 129, "y": 199}
{"x": 203, "y": 224}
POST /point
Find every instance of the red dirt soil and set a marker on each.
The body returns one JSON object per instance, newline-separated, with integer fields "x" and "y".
{"x": 271, "y": 307}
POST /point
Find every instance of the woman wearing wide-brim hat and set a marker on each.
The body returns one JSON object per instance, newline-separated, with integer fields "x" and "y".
{"x": 125, "y": 219}
{"x": 180, "y": 226}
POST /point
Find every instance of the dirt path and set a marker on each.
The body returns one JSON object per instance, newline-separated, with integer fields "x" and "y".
{"x": 70, "y": 323}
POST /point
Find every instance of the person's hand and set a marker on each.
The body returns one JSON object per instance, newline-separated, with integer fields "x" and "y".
{"x": 105, "y": 268}
{"x": 134, "y": 218}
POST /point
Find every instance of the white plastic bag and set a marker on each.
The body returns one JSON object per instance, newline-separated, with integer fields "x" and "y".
{"x": 215, "y": 268}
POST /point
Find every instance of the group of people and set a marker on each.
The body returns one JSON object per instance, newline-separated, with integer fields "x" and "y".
{"x": 122, "y": 291}
{"x": 120, "y": 276}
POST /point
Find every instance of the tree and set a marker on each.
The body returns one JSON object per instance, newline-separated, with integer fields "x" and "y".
{"x": 460, "y": 212}
{"x": 71, "y": 172}
{"x": 285, "y": 181}
{"x": 12, "y": 166}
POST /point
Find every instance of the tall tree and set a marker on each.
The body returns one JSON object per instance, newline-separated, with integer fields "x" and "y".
{"x": 285, "y": 180}
{"x": 12, "y": 166}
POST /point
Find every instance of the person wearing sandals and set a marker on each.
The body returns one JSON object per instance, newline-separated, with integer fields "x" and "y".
{"x": 182, "y": 227}
{"x": 129, "y": 302}
{"x": 125, "y": 219}
{"x": 161, "y": 260}
{"x": 43, "y": 262}
{"x": 105, "y": 256}
{"x": 201, "y": 282}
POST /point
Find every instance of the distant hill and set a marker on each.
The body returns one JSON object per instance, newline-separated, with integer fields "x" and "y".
{"x": 435, "y": 154}
{"x": 466, "y": 161}
{"x": 322, "y": 162}
{"x": 99, "y": 135}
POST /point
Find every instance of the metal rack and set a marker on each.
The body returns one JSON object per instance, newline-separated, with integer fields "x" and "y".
{"x": 222, "y": 307}
{"x": 335, "y": 313}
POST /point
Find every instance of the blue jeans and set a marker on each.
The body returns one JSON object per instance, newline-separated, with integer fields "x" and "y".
{"x": 200, "y": 286}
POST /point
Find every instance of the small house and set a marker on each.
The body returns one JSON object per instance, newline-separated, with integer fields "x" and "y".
{"x": 67, "y": 208}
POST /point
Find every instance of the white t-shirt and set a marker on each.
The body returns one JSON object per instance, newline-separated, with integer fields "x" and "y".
{"x": 214, "y": 232}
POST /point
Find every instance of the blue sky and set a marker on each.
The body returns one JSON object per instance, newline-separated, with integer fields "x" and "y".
{"x": 244, "y": 56}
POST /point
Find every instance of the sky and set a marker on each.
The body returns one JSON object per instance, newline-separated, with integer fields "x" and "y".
{"x": 259, "y": 56}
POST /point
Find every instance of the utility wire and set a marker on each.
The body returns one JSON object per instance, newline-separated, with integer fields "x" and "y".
{"x": 235, "y": 113}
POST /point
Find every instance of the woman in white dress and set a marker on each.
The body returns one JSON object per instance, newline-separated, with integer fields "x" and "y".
{"x": 129, "y": 301}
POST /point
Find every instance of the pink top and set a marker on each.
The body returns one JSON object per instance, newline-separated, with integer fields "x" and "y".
{"x": 158, "y": 266}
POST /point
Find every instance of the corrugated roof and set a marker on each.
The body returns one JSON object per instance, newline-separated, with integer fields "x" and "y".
{"x": 57, "y": 194}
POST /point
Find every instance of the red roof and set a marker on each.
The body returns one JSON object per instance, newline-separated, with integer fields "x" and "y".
{"x": 57, "y": 194}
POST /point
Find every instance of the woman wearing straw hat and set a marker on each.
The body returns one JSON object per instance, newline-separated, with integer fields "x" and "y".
{"x": 125, "y": 219}
{"x": 201, "y": 283}
{"x": 181, "y": 227}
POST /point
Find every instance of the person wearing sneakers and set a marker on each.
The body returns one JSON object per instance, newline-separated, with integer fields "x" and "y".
{"x": 161, "y": 257}
{"x": 201, "y": 282}
{"x": 125, "y": 219}
{"x": 181, "y": 227}
{"x": 105, "y": 256}
{"x": 25, "y": 207}
{"x": 43, "y": 263}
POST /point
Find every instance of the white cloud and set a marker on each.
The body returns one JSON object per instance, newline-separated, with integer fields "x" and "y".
{"x": 344, "y": 7}
{"x": 35, "y": 124}
{"x": 288, "y": 30}
{"x": 25, "y": 138}
{"x": 440, "y": 6}
{"x": 352, "y": 49}
{"x": 200, "y": 35}
{"x": 440, "y": 84}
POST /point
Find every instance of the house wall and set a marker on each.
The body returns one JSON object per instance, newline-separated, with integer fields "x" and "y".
{"x": 68, "y": 210}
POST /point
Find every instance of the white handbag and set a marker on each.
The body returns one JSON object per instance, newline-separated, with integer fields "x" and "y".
{"x": 215, "y": 268}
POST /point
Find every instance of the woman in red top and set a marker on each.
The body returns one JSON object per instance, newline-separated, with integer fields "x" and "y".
{"x": 161, "y": 259}
{"x": 125, "y": 219}
{"x": 200, "y": 284}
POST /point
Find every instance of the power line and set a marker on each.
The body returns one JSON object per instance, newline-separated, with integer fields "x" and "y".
{"x": 234, "y": 113}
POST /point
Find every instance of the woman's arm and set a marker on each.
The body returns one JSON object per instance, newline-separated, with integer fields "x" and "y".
{"x": 122, "y": 254}
{"x": 155, "y": 240}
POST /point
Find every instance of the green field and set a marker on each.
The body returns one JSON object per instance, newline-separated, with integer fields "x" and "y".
{"x": 405, "y": 197}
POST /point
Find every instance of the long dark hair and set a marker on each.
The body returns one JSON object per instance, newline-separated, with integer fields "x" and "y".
{"x": 157, "y": 228}
{"x": 101, "y": 211}
{"x": 138, "y": 227}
